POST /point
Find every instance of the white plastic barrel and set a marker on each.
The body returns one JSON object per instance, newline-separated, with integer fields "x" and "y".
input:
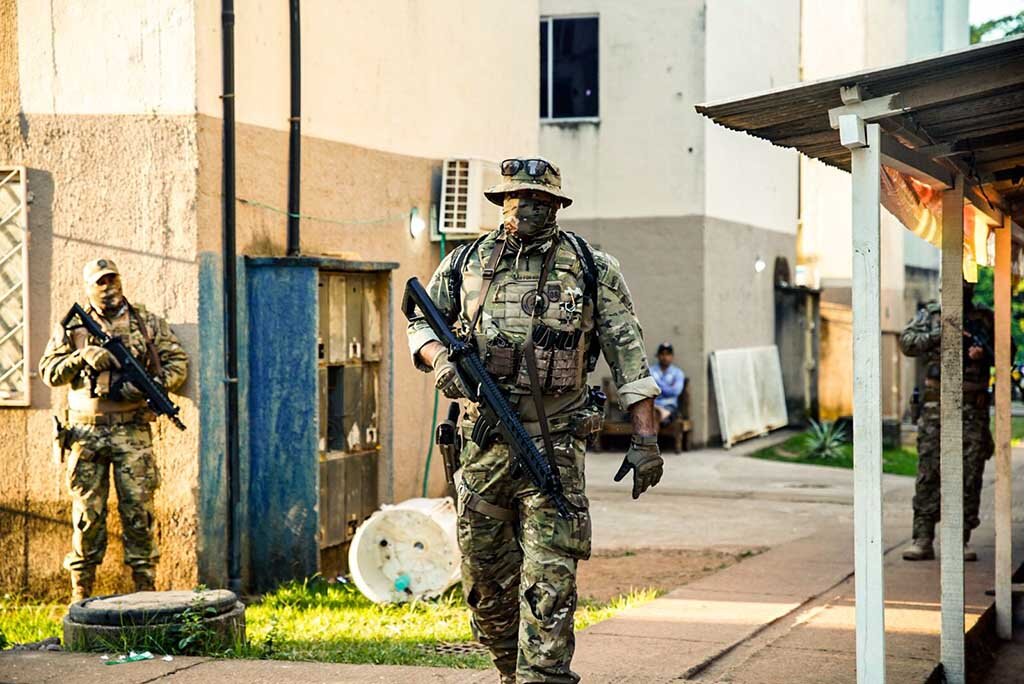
{"x": 406, "y": 551}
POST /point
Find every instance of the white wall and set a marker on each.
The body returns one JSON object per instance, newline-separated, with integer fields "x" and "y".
{"x": 751, "y": 47}
{"x": 645, "y": 157}
{"x": 431, "y": 78}
{"x": 124, "y": 57}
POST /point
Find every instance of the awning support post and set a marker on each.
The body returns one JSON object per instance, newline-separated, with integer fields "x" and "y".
{"x": 864, "y": 141}
{"x": 951, "y": 446}
{"x": 1004, "y": 473}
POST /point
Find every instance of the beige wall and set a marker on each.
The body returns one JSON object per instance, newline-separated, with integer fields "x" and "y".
{"x": 645, "y": 157}
{"x": 121, "y": 187}
{"x": 429, "y": 78}
{"x": 750, "y": 181}
{"x": 390, "y": 185}
{"x": 124, "y": 57}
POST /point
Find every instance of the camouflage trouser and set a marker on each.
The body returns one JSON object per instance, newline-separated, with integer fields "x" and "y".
{"x": 95, "y": 451}
{"x": 978, "y": 447}
{"x": 519, "y": 577}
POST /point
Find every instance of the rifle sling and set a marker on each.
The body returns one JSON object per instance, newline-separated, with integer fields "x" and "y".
{"x": 531, "y": 364}
{"x": 154, "y": 358}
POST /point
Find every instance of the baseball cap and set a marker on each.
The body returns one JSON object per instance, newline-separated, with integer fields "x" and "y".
{"x": 666, "y": 347}
{"x": 96, "y": 269}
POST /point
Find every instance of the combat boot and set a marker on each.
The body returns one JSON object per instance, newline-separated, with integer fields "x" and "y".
{"x": 970, "y": 555}
{"x": 144, "y": 581}
{"x": 81, "y": 588}
{"x": 921, "y": 549}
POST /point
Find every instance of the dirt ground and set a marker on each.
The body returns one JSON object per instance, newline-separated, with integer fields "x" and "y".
{"x": 611, "y": 573}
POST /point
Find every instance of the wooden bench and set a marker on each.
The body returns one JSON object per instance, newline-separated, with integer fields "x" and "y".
{"x": 617, "y": 422}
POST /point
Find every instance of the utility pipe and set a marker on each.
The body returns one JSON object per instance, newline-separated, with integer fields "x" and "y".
{"x": 295, "y": 137}
{"x": 230, "y": 297}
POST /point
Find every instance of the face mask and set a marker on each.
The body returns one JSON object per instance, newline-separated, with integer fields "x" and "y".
{"x": 530, "y": 219}
{"x": 106, "y": 297}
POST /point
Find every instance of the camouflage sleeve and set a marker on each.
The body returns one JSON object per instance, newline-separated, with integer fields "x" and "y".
{"x": 921, "y": 335}
{"x": 620, "y": 334}
{"x": 418, "y": 332}
{"x": 60, "y": 361}
{"x": 173, "y": 359}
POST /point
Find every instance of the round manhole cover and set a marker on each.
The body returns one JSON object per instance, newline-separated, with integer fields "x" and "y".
{"x": 150, "y": 607}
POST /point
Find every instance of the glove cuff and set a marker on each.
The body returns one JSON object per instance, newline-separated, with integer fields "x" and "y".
{"x": 644, "y": 440}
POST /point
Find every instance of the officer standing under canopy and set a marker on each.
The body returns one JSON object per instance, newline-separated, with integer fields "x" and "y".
{"x": 923, "y": 337}
{"x": 529, "y": 291}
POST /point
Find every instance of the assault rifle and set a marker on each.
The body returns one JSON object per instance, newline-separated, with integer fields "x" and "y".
{"x": 495, "y": 409}
{"x": 129, "y": 366}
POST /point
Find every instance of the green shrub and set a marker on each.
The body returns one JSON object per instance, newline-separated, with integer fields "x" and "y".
{"x": 825, "y": 440}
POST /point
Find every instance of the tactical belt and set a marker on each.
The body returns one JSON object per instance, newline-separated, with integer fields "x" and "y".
{"x": 113, "y": 418}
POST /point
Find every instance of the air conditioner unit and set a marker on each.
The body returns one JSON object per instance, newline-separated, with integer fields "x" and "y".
{"x": 465, "y": 212}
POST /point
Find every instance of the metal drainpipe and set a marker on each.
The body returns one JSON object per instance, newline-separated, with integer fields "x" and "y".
{"x": 230, "y": 298}
{"x": 294, "y": 160}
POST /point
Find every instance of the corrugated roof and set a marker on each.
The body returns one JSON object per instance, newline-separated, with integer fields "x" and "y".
{"x": 963, "y": 109}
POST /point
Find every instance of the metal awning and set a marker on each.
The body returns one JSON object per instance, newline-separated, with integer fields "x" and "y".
{"x": 954, "y": 124}
{"x": 959, "y": 112}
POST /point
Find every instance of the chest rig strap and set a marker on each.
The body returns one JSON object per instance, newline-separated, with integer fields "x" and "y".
{"x": 529, "y": 355}
{"x": 488, "y": 277}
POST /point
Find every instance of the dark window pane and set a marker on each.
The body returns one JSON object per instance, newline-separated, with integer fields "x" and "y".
{"x": 575, "y": 67}
{"x": 544, "y": 69}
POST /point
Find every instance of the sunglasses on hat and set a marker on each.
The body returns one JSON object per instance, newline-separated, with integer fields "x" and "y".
{"x": 534, "y": 167}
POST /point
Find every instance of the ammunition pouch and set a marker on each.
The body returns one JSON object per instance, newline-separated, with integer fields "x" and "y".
{"x": 449, "y": 443}
{"x": 560, "y": 360}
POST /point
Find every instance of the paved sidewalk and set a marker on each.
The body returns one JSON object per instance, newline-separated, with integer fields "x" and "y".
{"x": 785, "y": 615}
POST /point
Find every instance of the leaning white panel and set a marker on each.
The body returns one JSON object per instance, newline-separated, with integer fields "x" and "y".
{"x": 749, "y": 393}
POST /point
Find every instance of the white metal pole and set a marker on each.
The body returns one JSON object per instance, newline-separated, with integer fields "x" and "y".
{"x": 1004, "y": 489}
{"x": 951, "y": 434}
{"x": 867, "y": 409}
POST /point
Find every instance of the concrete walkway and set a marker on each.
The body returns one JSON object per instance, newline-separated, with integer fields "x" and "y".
{"x": 785, "y": 615}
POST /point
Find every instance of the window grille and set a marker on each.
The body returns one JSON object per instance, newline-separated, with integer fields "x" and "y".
{"x": 14, "y": 371}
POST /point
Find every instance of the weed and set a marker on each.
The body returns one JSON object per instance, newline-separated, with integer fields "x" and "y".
{"x": 194, "y": 634}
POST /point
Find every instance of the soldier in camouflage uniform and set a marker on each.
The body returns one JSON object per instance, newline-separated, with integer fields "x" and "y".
{"x": 107, "y": 427}
{"x": 528, "y": 280}
{"x": 923, "y": 337}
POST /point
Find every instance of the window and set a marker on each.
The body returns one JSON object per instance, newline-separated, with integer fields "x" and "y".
{"x": 568, "y": 68}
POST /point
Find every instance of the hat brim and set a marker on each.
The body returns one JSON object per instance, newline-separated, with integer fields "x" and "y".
{"x": 496, "y": 194}
{"x": 99, "y": 274}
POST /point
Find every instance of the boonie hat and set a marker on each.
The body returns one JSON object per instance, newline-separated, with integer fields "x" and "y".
{"x": 96, "y": 269}
{"x": 549, "y": 182}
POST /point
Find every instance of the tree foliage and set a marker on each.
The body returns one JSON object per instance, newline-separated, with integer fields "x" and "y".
{"x": 1010, "y": 25}
{"x": 984, "y": 297}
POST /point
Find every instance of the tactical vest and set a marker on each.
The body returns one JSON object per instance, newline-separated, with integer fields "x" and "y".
{"x": 560, "y": 314}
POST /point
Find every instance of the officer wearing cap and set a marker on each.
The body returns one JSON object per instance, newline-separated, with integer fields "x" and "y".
{"x": 107, "y": 427}
{"x": 539, "y": 305}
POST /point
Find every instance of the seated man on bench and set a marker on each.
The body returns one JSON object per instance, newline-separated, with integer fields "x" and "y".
{"x": 670, "y": 379}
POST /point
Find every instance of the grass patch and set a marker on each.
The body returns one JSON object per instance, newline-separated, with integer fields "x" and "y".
{"x": 314, "y": 620}
{"x": 902, "y": 461}
{"x": 23, "y": 621}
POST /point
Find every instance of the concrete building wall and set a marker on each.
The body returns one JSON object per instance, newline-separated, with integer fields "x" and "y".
{"x": 651, "y": 74}
{"x": 119, "y": 184}
{"x": 748, "y": 180}
{"x": 108, "y": 58}
{"x": 428, "y": 78}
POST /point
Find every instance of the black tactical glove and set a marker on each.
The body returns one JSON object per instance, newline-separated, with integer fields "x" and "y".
{"x": 446, "y": 377}
{"x": 644, "y": 459}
